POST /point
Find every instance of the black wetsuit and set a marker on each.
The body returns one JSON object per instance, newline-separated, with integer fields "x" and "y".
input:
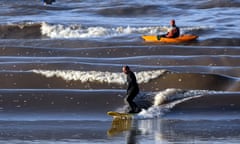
{"x": 132, "y": 91}
{"x": 176, "y": 32}
{"x": 49, "y": 1}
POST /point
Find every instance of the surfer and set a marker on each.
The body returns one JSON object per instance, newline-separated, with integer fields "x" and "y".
{"x": 173, "y": 31}
{"x": 48, "y": 1}
{"x": 132, "y": 89}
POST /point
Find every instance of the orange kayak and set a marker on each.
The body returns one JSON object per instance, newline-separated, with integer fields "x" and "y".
{"x": 182, "y": 38}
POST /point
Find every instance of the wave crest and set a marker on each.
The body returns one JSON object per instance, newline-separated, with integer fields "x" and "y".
{"x": 102, "y": 77}
{"x": 79, "y": 31}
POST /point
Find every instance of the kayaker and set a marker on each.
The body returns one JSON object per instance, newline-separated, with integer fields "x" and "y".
{"x": 173, "y": 31}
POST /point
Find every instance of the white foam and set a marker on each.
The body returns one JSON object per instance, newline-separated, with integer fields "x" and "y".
{"x": 167, "y": 99}
{"x": 166, "y": 95}
{"x": 99, "y": 76}
{"x": 72, "y": 31}
{"x": 79, "y": 31}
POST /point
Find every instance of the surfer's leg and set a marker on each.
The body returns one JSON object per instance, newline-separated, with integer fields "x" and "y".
{"x": 131, "y": 103}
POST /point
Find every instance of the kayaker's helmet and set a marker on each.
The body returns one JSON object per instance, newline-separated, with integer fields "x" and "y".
{"x": 172, "y": 22}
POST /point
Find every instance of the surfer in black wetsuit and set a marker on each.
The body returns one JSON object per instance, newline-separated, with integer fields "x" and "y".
{"x": 48, "y": 1}
{"x": 132, "y": 89}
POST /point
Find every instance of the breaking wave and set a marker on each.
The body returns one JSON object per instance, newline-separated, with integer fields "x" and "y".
{"x": 170, "y": 101}
{"x": 98, "y": 76}
{"x": 33, "y": 30}
{"x": 30, "y": 30}
{"x": 79, "y": 31}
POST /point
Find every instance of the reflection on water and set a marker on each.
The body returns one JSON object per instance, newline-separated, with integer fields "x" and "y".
{"x": 168, "y": 131}
{"x": 124, "y": 125}
{"x": 119, "y": 125}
